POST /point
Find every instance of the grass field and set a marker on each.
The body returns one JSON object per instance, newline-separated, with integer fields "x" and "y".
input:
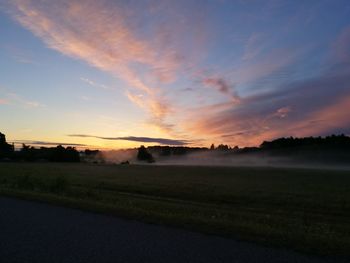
{"x": 303, "y": 209}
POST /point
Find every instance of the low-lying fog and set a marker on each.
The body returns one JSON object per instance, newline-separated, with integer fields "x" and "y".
{"x": 215, "y": 158}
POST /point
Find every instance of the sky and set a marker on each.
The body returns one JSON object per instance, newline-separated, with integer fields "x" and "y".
{"x": 117, "y": 74}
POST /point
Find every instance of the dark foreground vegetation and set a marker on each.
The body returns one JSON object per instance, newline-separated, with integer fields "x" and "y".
{"x": 32, "y": 154}
{"x": 303, "y": 209}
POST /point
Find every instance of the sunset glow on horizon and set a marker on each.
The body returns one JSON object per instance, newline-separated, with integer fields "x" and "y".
{"x": 117, "y": 74}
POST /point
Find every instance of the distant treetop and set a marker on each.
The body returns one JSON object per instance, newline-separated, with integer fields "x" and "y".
{"x": 338, "y": 141}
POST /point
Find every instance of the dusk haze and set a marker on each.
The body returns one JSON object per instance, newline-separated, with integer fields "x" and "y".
{"x": 198, "y": 131}
{"x": 196, "y": 72}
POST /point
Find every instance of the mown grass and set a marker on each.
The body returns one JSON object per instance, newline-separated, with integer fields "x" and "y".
{"x": 302, "y": 209}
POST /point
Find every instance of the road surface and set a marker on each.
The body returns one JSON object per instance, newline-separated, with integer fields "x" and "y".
{"x": 36, "y": 232}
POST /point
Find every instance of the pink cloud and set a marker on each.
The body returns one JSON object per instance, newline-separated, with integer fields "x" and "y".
{"x": 3, "y": 102}
{"x": 313, "y": 108}
{"x": 223, "y": 87}
{"x": 100, "y": 34}
{"x": 324, "y": 120}
{"x": 105, "y": 35}
{"x": 282, "y": 112}
{"x": 341, "y": 46}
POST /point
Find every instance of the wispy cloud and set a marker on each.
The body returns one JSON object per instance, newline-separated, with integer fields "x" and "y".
{"x": 95, "y": 84}
{"x": 158, "y": 107}
{"x": 149, "y": 55}
{"x": 282, "y": 112}
{"x": 85, "y": 98}
{"x": 341, "y": 48}
{"x": 136, "y": 139}
{"x": 3, "y": 102}
{"x": 315, "y": 106}
{"x": 20, "y": 55}
{"x": 253, "y": 46}
{"x": 222, "y": 86}
{"x": 11, "y": 98}
{"x": 266, "y": 116}
{"x": 15, "y": 99}
{"x": 102, "y": 38}
{"x": 269, "y": 65}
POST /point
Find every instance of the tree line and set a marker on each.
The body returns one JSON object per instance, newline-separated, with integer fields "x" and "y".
{"x": 31, "y": 154}
{"x": 334, "y": 148}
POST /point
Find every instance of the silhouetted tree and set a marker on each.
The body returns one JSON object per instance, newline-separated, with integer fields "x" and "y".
{"x": 61, "y": 154}
{"x": 173, "y": 150}
{"x": 55, "y": 154}
{"x": 333, "y": 141}
{"x": 144, "y": 155}
{"x": 223, "y": 147}
{"x": 6, "y": 150}
{"x": 236, "y": 148}
{"x": 212, "y": 146}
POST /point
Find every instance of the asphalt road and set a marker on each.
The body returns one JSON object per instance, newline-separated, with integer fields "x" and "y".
{"x": 35, "y": 232}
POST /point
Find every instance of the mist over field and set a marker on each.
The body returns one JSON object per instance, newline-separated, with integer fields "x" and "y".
{"x": 224, "y": 117}
{"x": 118, "y": 156}
{"x": 215, "y": 158}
